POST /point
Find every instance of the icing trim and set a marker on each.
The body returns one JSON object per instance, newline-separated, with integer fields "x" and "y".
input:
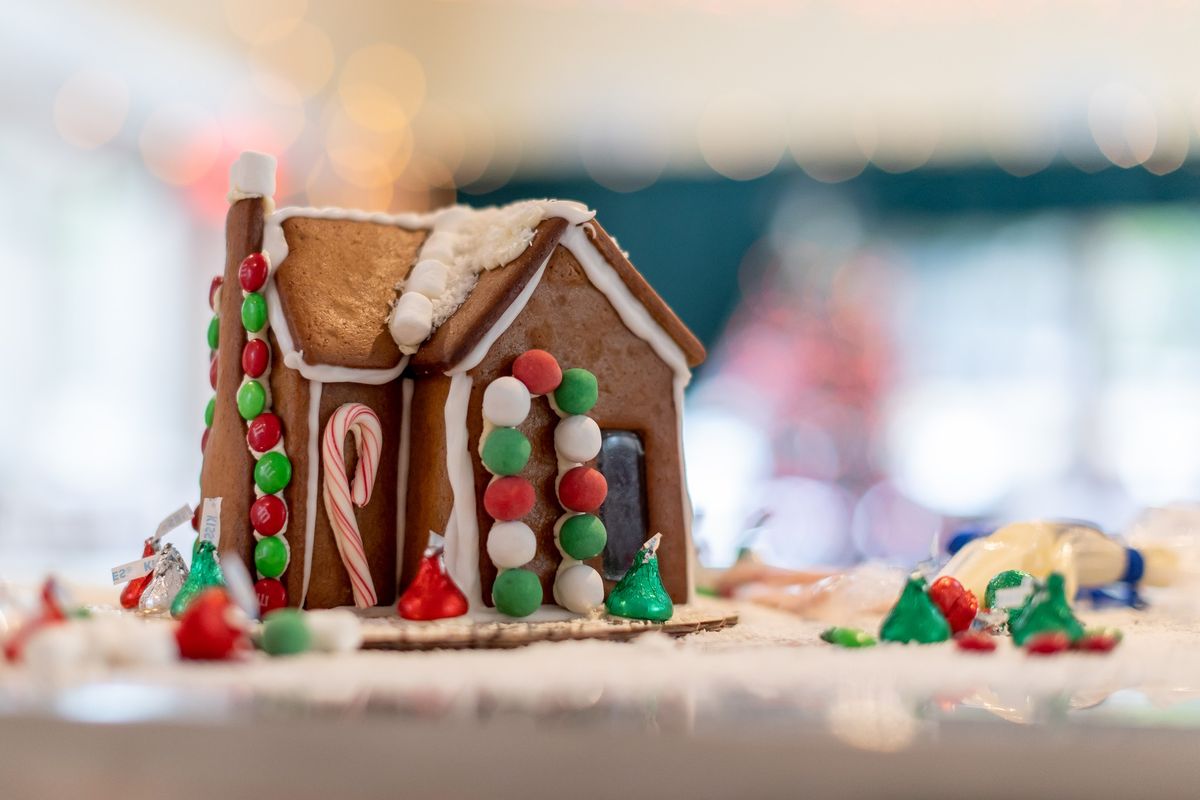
{"x": 480, "y": 350}
{"x": 462, "y": 529}
{"x": 403, "y": 458}
{"x": 314, "y": 471}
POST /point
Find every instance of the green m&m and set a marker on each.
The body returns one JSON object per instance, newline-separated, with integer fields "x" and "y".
{"x": 583, "y": 536}
{"x": 214, "y": 332}
{"x": 517, "y": 592}
{"x": 847, "y": 637}
{"x": 578, "y": 391}
{"x": 285, "y": 632}
{"x": 270, "y": 556}
{"x": 251, "y": 399}
{"x": 505, "y": 451}
{"x": 272, "y": 473}
{"x": 254, "y": 312}
{"x": 209, "y": 411}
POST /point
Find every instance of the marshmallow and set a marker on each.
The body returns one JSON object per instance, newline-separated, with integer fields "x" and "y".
{"x": 411, "y": 321}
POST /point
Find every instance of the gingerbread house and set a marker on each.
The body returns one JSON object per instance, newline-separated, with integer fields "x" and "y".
{"x": 503, "y": 377}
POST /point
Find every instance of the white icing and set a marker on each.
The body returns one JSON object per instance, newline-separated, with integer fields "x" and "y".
{"x": 579, "y": 588}
{"x": 511, "y": 544}
{"x": 462, "y": 530}
{"x": 314, "y": 471}
{"x": 577, "y": 438}
{"x": 251, "y": 175}
{"x": 411, "y": 321}
{"x": 406, "y": 395}
{"x": 506, "y": 402}
{"x": 428, "y": 277}
{"x": 473, "y": 358}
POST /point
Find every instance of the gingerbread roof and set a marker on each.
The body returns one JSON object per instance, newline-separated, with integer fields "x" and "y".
{"x": 338, "y": 275}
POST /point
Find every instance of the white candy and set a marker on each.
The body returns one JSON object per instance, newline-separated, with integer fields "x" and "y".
{"x": 428, "y": 277}
{"x": 579, "y": 588}
{"x": 577, "y": 438}
{"x": 121, "y": 640}
{"x": 252, "y": 175}
{"x": 411, "y": 320}
{"x": 506, "y": 402}
{"x": 334, "y": 630}
{"x": 57, "y": 652}
{"x": 511, "y": 544}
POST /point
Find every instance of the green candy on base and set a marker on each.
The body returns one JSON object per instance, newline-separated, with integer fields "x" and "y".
{"x": 1008, "y": 579}
{"x": 254, "y": 312}
{"x": 273, "y": 472}
{"x": 214, "y": 332}
{"x": 205, "y": 574}
{"x": 640, "y": 594}
{"x": 270, "y": 556}
{"x": 505, "y": 451}
{"x": 1046, "y": 612}
{"x": 251, "y": 400}
{"x": 848, "y": 637}
{"x": 583, "y": 536}
{"x": 285, "y": 632}
{"x": 915, "y": 617}
{"x": 517, "y": 592}
{"x": 210, "y": 411}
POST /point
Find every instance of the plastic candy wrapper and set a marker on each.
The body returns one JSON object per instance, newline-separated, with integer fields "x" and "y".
{"x": 865, "y": 590}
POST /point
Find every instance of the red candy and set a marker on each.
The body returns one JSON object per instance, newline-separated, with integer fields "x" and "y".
{"x": 432, "y": 593}
{"x": 268, "y": 515}
{"x": 209, "y": 630}
{"x": 538, "y": 370}
{"x": 264, "y": 432}
{"x": 975, "y": 642}
{"x": 582, "y": 489}
{"x": 1047, "y": 644}
{"x": 508, "y": 498}
{"x": 212, "y": 371}
{"x": 133, "y": 590}
{"x": 252, "y": 273}
{"x": 271, "y": 595}
{"x": 204, "y": 439}
{"x": 212, "y": 291}
{"x": 196, "y": 518}
{"x": 1098, "y": 642}
{"x": 957, "y": 605}
{"x": 255, "y": 357}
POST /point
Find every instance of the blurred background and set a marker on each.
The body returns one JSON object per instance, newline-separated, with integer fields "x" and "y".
{"x": 944, "y": 255}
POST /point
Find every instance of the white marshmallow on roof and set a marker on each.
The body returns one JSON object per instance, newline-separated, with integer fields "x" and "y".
{"x": 252, "y": 175}
{"x": 506, "y": 402}
{"x": 411, "y": 321}
{"x": 428, "y": 277}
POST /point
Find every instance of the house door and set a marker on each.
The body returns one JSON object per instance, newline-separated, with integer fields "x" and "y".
{"x": 622, "y": 462}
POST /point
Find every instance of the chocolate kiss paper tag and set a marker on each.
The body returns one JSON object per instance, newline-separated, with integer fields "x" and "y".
{"x": 210, "y": 520}
{"x": 144, "y": 566}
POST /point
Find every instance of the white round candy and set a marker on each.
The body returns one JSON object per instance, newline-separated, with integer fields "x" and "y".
{"x": 334, "y": 630}
{"x": 121, "y": 640}
{"x": 411, "y": 320}
{"x": 579, "y": 589}
{"x": 506, "y": 402}
{"x": 428, "y": 277}
{"x": 577, "y": 438}
{"x": 511, "y": 544}
{"x": 57, "y": 651}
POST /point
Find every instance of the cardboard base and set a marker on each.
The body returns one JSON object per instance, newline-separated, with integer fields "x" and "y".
{"x": 393, "y": 633}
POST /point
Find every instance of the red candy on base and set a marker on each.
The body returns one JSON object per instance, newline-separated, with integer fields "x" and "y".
{"x": 50, "y": 613}
{"x": 268, "y": 515}
{"x": 212, "y": 291}
{"x": 211, "y": 629}
{"x": 957, "y": 605}
{"x": 255, "y": 358}
{"x": 432, "y": 594}
{"x": 1048, "y": 644}
{"x": 264, "y": 432}
{"x": 538, "y": 370}
{"x": 133, "y": 590}
{"x": 975, "y": 642}
{"x": 582, "y": 489}
{"x": 271, "y": 595}
{"x": 204, "y": 440}
{"x": 508, "y": 498}
{"x": 1098, "y": 642}
{"x": 252, "y": 272}
{"x": 212, "y": 372}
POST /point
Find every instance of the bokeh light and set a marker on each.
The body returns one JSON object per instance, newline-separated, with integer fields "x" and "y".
{"x": 90, "y": 108}
{"x": 382, "y": 87}
{"x": 304, "y": 56}
{"x": 1123, "y": 123}
{"x": 180, "y": 143}
{"x": 263, "y": 21}
{"x": 742, "y": 136}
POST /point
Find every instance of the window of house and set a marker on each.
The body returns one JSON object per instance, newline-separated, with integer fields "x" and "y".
{"x": 622, "y": 462}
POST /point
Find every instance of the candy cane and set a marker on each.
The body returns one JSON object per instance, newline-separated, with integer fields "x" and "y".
{"x": 340, "y": 496}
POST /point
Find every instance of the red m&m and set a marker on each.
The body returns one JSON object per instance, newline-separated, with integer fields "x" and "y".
{"x": 204, "y": 439}
{"x": 212, "y": 371}
{"x": 538, "y": 370}
{"x": 255, "y": 357}
{"x": 582, "y": 489}
{"x": 268, "y": 515}
{"x": 252, "y": 273}
{"x": 264, "y": 432}
{"x": 271, "y": 595}
{"x": 213, "y": 288}
{"x": 508, "y": 498}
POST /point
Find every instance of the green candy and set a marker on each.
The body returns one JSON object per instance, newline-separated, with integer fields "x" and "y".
{"x": 214, "y": 332}
{"x": 1008, "y": 579}
{"x": 204, "y": 574}
{"x": 272, "y": 472}
{"x": 583, "y": 536}
{"x": 848, "y": 637}
{"x": 251, "y": 400}
{"x": 1046, "y": 612}
{"x": 210, "y": 411}
{"x": 270, "y": 556}
{"x": 578, "y": 391}
{"x": 915, "y": 618}
{"x": 254, "y": 312}
{"x": 285, "y": 632}
{"x": 517, "y": 592}
{"x": 640, "y": 593}
{"x": 506, "y": 451}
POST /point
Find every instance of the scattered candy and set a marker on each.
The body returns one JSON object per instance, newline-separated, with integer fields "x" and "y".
{"x": 511, "y": 544}
{"x": 1047, "y": 644}
{"x": 1008, "y": 579}
{"x": 214, "y": 332}
{"x": 640, "y": 593}
{"x": 51, "y": 612}
{"x": 577, "y": 439}
{"x": 538, "y": 370}
{"x": 914, "y": 618}
{"x": 251, "y": 399}
{"x": 579, "y": 588}
{"x": 264, "y": 432}
{"x": 255, "y": 358}
{"x": 270, "y": 556}
{"x": 1099, "y": 640}
{"x": 268, "y": 514}
{"x": 506, "y": 402}
{"x": 848, "y": 637}
{"x": 254, "y": 312}
{"x": 271, "y": 595}
{"x": 169, "y": 575}
{"x": 582, "y": 536}
{"x": 334, "y": 630}
{"x": 582, "y": 489}
{"x": 975, "y": 642}
{"x": 432, "y": 593}
{"x": 252, "y": 272}
{"x": 273, "y": 472}
{"x": 505, "y": 451}
{"x": 212, "y": 628}
{"x": 957, "y": 605}
{"x": 507, "y": 498}
{"x": 517, "y": 592}
{"x": 285, "y": 632}
{"x": 1046, "y": 612}
{"x": 577, "y": 393}
{"x": 134, "y": 588}
{"x": 205, "y": 574}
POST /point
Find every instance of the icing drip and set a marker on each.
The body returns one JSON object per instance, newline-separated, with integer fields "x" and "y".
{"x": 406, "y": 395}
{"x": 462, "y": 529}
{"x": 341, "y": 495}
{"x": 310, "y": 509}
